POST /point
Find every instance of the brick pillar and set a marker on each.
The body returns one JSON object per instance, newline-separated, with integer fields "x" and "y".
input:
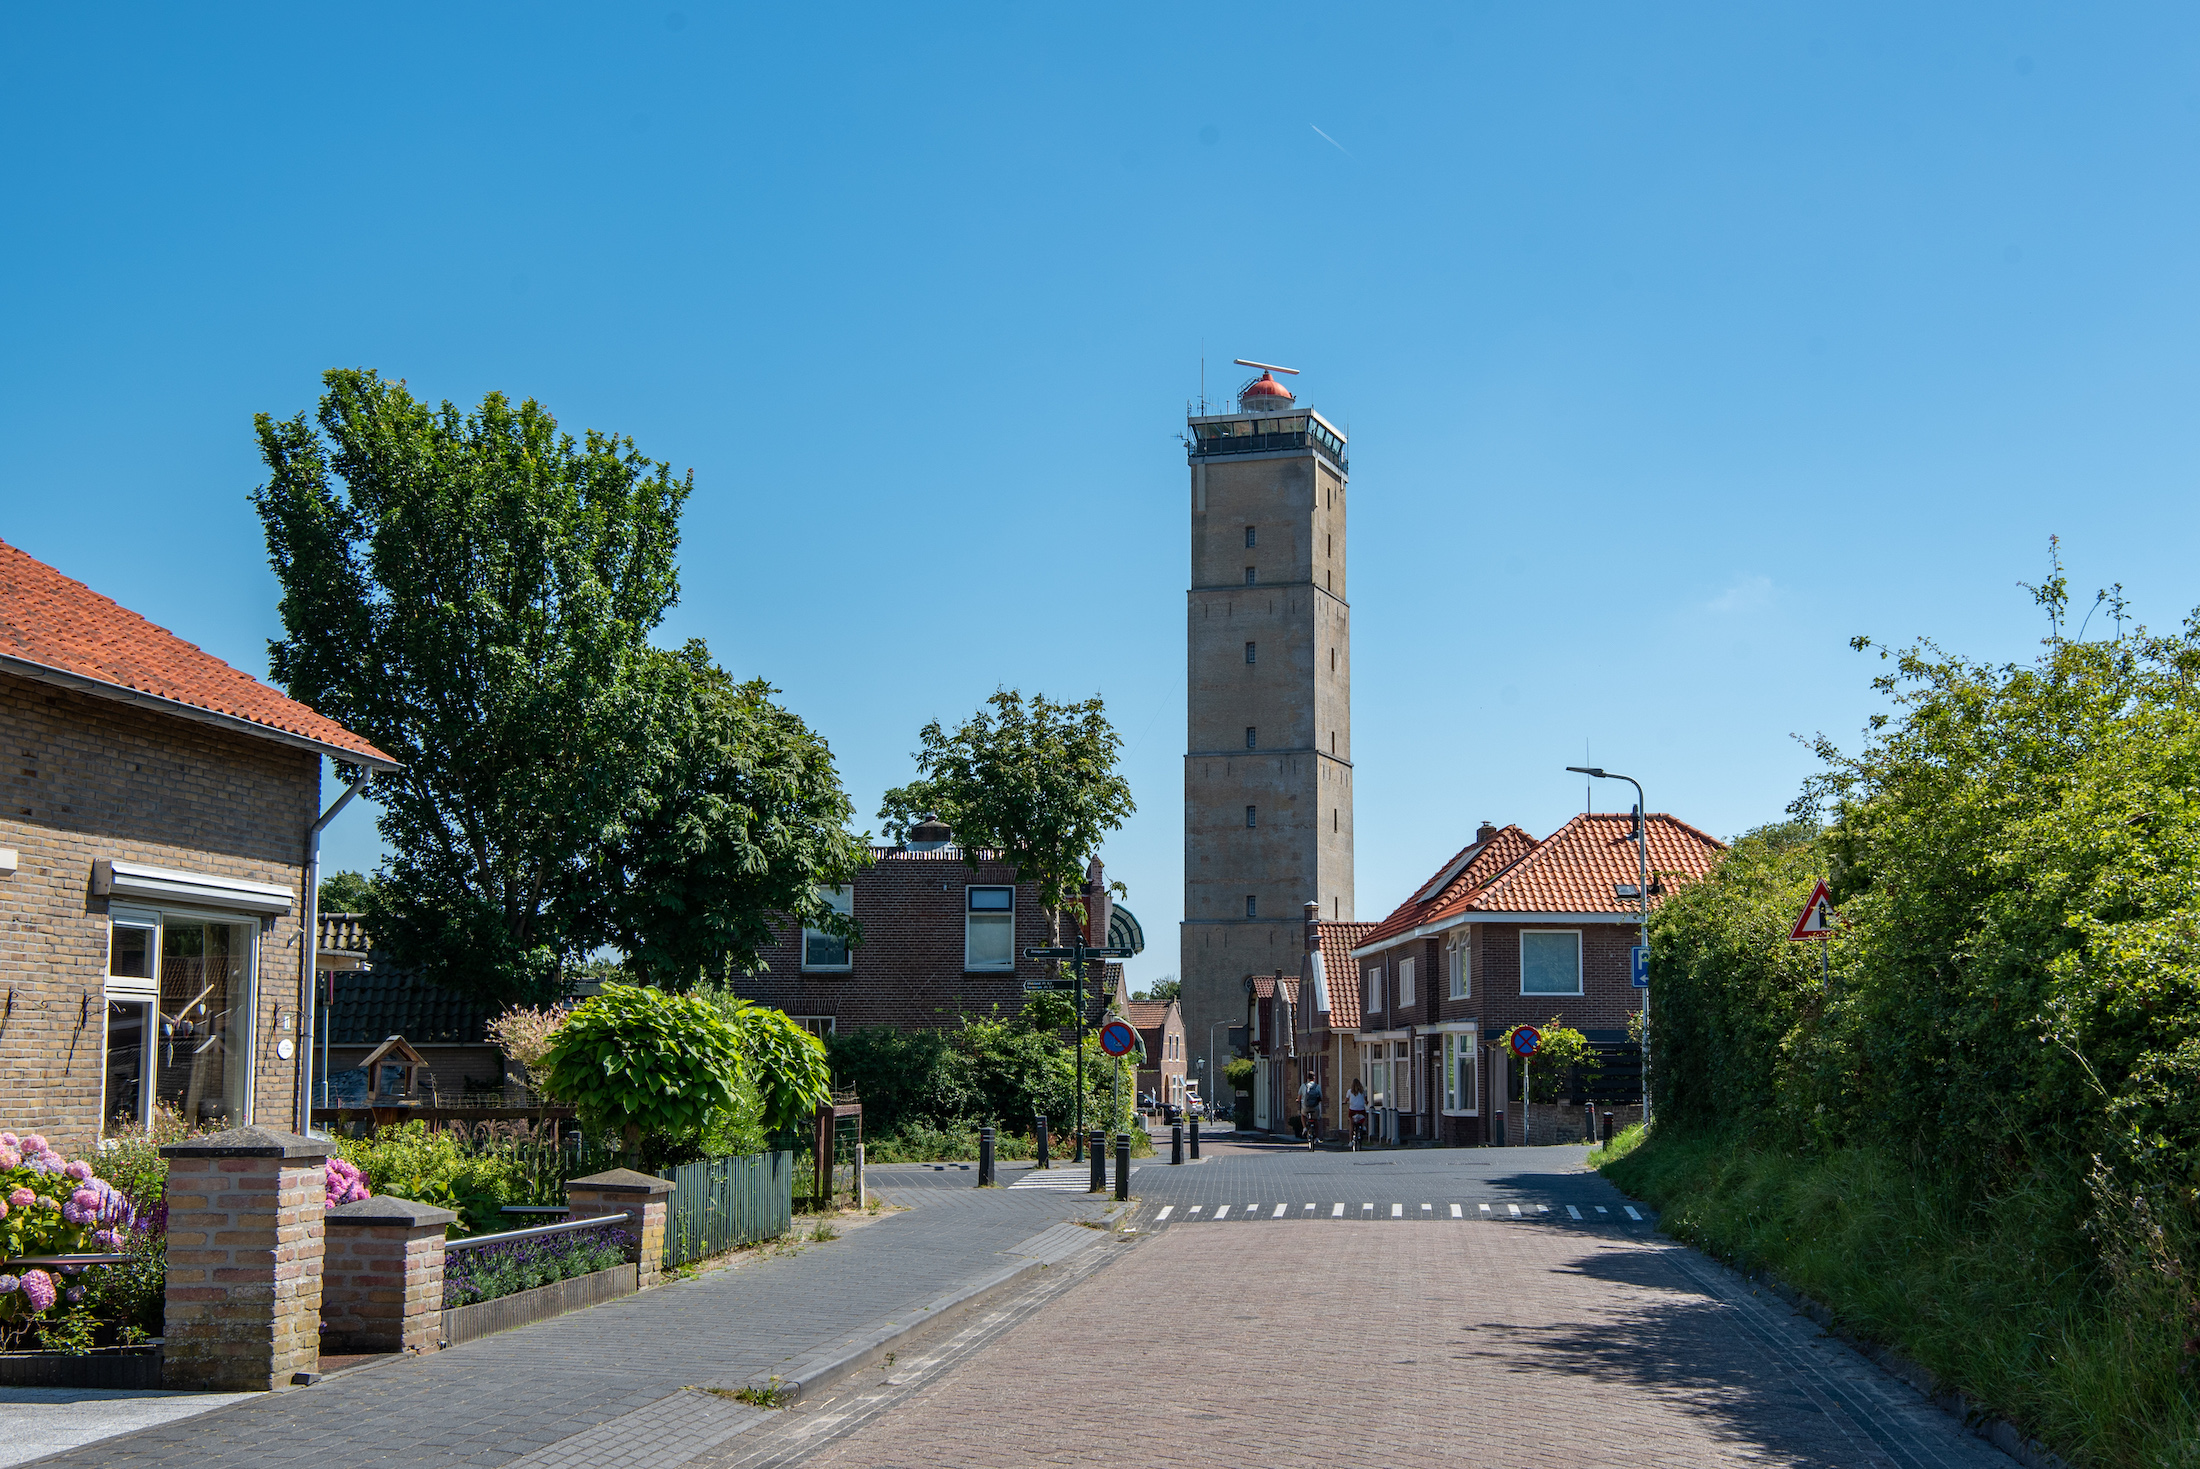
{"x": 244, "y": 1260}
{"x": 382, "y": 1277}
{"x": 623, "y": 1191}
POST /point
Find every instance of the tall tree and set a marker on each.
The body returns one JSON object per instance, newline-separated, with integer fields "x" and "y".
{"x": 474, "y": 593}
{"x": 1035, "y": 780}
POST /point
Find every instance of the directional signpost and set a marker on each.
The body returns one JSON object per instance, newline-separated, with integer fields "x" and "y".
{"x": 1639, "y": 957}
{"x": 1079, "y": 954}
{"x": 1818, "y": 921}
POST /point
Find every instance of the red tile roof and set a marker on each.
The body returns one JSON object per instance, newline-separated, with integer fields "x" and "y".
{"x": 1468, "y": 870}
{"x": 1576, "y": 869}
{"x": 1338, "y": 942}
{"x": 1147, "y": 1014}
{"x": 59, "y": 630}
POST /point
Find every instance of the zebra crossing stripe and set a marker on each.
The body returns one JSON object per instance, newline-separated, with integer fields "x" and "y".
{"x": 1279, "y": 1211}
{"x": 1570, "y": 1209}
{"x": 1223, "y": 1212}
{"x": 1515, "y": 1210}
{"x": 1602, "y": 1210}
{"x": 1455, "y": 1211}
{"x": 1543, "y": 1208}
{"x": 1337, "y": 1212}
{"x": 1367, "y": 1208}
{"x": 1630, "y": 1208}
{"x": 1166, "y": 1211}
{"x": 1309, "y": 1208}
{"x": 1485, "y": 1208}
{"x": 1397, "y": 1211}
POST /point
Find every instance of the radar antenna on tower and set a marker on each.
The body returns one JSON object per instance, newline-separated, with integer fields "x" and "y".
{"x": 1264, "y": 392}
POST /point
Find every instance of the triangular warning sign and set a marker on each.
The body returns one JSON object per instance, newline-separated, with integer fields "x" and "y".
{"x": 1818, "y": 916}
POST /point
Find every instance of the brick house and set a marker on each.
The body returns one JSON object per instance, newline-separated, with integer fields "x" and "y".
{"x": 1511, "y": 931}
{"x": 944, "y": 933}
{"x": 1292, "y": 1037}
{"x": 1160, "y": 1026}
{"x": 155, "y": 862}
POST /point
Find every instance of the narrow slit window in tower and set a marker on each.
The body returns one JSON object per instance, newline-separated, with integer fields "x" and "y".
{"x": 1252, "y": 737}
{"x": 1249, "y": 537}
{"x": 1251, "y": 653}
{"x": 1252, "y": 906}
{"x": 1250, "y": 578}
{"x": 1252, "y": 816}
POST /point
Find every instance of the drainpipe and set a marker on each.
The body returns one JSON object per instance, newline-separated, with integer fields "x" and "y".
{"x": 309, "y": 966}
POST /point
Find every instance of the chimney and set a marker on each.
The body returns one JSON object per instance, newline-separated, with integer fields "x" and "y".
{"x": 929, "y": 835}
{"x": 1483, "y": 833}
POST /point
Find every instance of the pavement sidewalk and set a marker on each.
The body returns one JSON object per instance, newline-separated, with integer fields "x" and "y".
{"x": 612, "y": 1385}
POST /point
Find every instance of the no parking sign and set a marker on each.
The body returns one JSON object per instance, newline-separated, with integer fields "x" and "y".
{"x": 1526, "y": 1040}
{"x": 1116, "y": 1038}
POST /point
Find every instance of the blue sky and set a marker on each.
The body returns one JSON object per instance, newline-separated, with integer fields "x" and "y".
{"x": 1677, "y": 344}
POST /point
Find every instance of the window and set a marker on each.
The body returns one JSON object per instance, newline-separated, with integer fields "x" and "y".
{"x": 205, "y": 1019}
{"x": 1252, "y": 737}
{"x": 1332, "y": 669}
{"x": 1249, "y": 537}
{"x": 1461, "y": 980}
{"x": 1252, "y": 906}
{"x": 1250, "y": 577}
{"x": 1401, "y": 1078}
{"x": 1332, "y": 818}
{"x": 1250, "y": 650}
{"x": 1550, "y": 962}
{"x": 829, "y": 951}
{"x": 1459, "y": 1077}
{"x": 1252, "y": 816}
{"x": 989, "y": 928}
{"x": 820, "y": 1026}
{"x": 1405, "y": 982}
{"x": 1330, "y": 545}
{"x": 1371, "y": 991}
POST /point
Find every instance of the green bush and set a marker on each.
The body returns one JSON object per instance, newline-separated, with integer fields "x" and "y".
{"x": 984, "y": 1073}
{"x": 639, "y": 1060}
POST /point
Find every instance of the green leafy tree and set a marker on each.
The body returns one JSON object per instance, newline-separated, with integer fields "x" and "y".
{"x": 1035, "y": 780}
{"x": 346, "y": 892}
{"x": 744, "y": 821}
{"x": 640, "y": 1060}
{"x": 474, "y": 593}
{"x": 1161, "y": 991}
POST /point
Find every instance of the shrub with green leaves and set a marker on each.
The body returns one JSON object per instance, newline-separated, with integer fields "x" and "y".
{"x": 1561, "y": 1050}
{"x": 633, "y": 1058}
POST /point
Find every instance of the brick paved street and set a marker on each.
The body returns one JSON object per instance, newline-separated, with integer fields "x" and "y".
{"x": 1480, "y": 1341}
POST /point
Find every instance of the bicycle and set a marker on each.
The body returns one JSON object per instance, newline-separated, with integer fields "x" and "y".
{"x": 1359, "y": 1125}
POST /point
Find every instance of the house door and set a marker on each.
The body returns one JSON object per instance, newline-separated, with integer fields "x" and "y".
{"x": 1260, "y": 1096}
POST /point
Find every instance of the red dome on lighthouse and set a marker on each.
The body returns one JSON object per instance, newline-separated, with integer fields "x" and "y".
{"x": 1263, "y": 392}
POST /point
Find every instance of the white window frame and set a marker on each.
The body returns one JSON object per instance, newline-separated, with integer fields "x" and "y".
{"x": 1371, "y": 991}
{"x": 1576, "y": 935}
{"x": 1461, "y": 969}
{"x": 991, "y": 966}
{"x": 147, "y": 991}
{"x": 820, "y": 1026}
{"x": 1462, "y": 1049}
{"x": 836, "y": 897}
{"x": 1405, "y": 982}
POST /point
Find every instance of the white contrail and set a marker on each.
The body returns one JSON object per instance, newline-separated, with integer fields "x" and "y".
{"x": 1332, "y": 142}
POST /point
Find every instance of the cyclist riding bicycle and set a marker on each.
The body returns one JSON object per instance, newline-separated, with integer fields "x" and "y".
{"x": 1355, "y": 1102}
{"x": 1310, "y": 1110}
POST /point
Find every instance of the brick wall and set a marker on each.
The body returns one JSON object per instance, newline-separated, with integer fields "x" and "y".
{"x": 82, "y": 779}
{"x": 1608, "y": 994}
{"x": 908, "y": 971}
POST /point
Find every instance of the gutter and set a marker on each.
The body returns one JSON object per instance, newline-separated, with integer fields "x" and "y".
{"x": 309, "y": 961}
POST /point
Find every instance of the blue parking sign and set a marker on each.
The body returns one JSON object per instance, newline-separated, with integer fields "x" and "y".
{"x": 1641, "y": 956}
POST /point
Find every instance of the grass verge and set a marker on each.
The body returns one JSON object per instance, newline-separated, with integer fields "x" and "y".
{"x": 1999, "y": 1297}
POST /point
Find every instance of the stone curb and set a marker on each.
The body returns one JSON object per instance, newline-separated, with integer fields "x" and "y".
{"x": 807, "y": 1374}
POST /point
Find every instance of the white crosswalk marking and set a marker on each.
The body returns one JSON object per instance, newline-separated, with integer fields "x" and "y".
{"x": 1223, "y": 1212}
{"x": 1367, "y": 1208}
{"x": 1543, "y": 1208}
{"x": 1425, "y": 1208}
{"x": 1630, "y": 1208}
{"x": 1485, "y": 1208}
{"x": 1515, "y": 1210}
{"x": 1195, "y": 1208}
{"x": 1455, "y": 1211}
{"x": 1602, "y": 1210}
{"x": 1309, "y": 1208}
{"x": 1573, "y": 1211}
{"x": 1279, "y": 1211}
{"x": 1060, "y": 1180}
{"x": 1337, "y": 1212}
{"x": 1166, "y": 1211}
{"x": 1397, "y": 1211}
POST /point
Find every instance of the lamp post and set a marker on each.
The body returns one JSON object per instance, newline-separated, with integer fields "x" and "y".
{"x": 1642, "y": 901}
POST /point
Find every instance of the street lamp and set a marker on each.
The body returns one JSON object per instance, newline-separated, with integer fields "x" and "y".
{"x": 1642, "y": 902}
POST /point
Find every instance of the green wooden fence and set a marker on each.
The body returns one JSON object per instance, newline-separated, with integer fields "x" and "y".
{"x": 722, "y": 1202}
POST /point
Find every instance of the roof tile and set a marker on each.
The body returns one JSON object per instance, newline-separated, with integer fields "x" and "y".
{"x": 1577, "y": 868}
{"x": 55, "y": 622}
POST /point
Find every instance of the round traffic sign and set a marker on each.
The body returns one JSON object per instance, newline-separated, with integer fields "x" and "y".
{"x": 1525, "y": 1040}
{"x": 1117, "y": 1039}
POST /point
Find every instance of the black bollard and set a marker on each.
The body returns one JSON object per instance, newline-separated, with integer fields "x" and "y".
{"x": 1122, "y": 1165}
{"x": 1176, "y": 1142}
{"x": 1039, "y": 1131}
{"x": 985, "y": 1156}
{"x": 1589, "y": 1123}
{"x": 1099, "y": 1144}
{"x": 1195, "y": 1139}
{"x": 1607, "y": 1129}
{"x": 1500, "y": 1129}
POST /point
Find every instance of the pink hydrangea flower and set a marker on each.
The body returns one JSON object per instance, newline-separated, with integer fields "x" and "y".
{"x": 8, "y": 1140}
{"x": 38, "y": 1289}
{"x": 111, "y": 1238}
{"x": 80, "y": 1170}
{"x": 33, "y": 1143}
{"x": 9, "y": 1158}
{"x": 8, "y": 1283}
{"x": 21, "y": 1198}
